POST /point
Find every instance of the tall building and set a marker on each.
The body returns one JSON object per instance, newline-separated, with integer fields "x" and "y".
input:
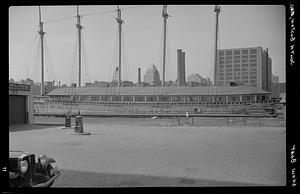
{"x": 152, "y": 76}
{"x": 275, "y": 79}
{"x": 180, "y": 68}
{"x": 245, "y": 67}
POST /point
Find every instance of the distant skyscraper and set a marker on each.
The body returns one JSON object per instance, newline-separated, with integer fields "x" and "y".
{"x": 275, "y": 79}
{"x": 152, "y": 76}
{"x": 244, "y": 66}
{"x": 180, "y": 68}
{"x": 139, "y": 77}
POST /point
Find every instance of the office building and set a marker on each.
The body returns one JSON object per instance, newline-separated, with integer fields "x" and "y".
{"x": 245, "y": 67}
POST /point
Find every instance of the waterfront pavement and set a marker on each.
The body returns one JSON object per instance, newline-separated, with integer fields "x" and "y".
{"x": 140, "y": 154}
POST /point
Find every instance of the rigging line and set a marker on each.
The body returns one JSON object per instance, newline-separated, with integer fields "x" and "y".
{"x": 139, "y": 6}
{"x": 28, "y": 66}
{"x": 85, "y": 63}
{"x": 36, "y": 63}
{"x": 98, "y": 13}
{"x": 25, "y": 48}
{"x": 125, "y": 59}
{"x": 59, "y": 19}
{"x": 50, "y": 66}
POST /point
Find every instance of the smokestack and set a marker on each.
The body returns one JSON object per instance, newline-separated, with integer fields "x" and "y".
{"x": 139, "y": 76}
{"x": 183, "y": 68}
{"x": 179, "y": 62}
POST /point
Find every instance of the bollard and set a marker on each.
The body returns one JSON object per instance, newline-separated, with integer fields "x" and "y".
{"x": 68, "y": 121}
{"x": 78, "y": 124}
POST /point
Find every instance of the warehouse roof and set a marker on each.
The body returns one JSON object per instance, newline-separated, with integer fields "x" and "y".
{"x": 202, "y": 90}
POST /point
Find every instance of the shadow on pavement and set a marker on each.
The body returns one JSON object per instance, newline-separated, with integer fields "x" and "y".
{"x": 74, "y": 178}
{"x": 28, "y": 127}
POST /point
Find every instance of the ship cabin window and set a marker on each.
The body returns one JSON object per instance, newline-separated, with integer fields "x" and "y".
{"x": 95, "y": 98}
{"x": 127, "y": 98}
{"x": 116, "y": 98}
{"x": 220, "y": 99}
{"x": 105, "y": 98}
{"x": 139, "y": 98}
{"x": 234, "y": 98}
{"x": 178, "y": 98}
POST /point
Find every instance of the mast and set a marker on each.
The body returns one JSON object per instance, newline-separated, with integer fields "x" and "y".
{"x": 79, "y": 27}
{"x": 165, "y": 17}
{"x": 217, "y": 10}
{"x": 119, "y": 21}
{"x": 41, "y": 32}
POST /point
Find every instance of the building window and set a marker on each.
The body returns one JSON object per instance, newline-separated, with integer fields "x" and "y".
{"x": 236, "y": 57}
{"x": 245, "y": 57}
{"x": 252, "y": 81}
{"x": 237, "y": 61}
{"x": 228, "y": 61}
{"x": 221, "y": 78}
{"x": 237, "y": 69}
{"x": 253, "y": 56}
{"x": 253, "y": 51}
{"x": 252, "y": 60}
{"x": 221, "y": 62}
{"x": 245, "y": 61}
{"x": 222, "y": 83}
{"x": 244, "y": 52}
{"x": 221, "y": 53}
{"x": 228, "y": 78}
{"x": 252, "y": 64}
{"x": 253, "y": 73}
{"x": 236, "y": 52}
{"x": 228, "y": 53}
{"x": 236, "y": 78}
{"x": 253, "y": 77}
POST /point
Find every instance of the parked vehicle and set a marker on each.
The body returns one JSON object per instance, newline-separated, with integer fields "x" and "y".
{"x": 27, "y": 171}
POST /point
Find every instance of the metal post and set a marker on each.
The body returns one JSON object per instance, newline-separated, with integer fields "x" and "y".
{"x": 78, "y": 25}
{"x": 120, "y": 21}
{"x": 165, "y": 16}
{"x": 41, "y": 32}
{"x": 217, "y": 10}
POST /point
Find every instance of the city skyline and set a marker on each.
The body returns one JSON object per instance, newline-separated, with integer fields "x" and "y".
{"x": 198, "y": 42}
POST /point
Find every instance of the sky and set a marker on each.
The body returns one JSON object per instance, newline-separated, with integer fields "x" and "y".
{"x": 189, "y": 27}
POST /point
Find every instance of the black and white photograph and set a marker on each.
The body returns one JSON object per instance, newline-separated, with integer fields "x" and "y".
{"x": 114, "y": 96}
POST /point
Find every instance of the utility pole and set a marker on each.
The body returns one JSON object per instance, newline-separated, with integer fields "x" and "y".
{"x": 79, "y": 27}
{"x": 217, "y": 10}
{"x": 42, "y": 33}
{"x": 165, "y": 17}
{"x": 119, "y": 21}
{"x": 267, "y": 70}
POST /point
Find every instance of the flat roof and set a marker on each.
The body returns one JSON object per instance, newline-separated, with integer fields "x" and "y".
{"x": 172, "y": 91}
